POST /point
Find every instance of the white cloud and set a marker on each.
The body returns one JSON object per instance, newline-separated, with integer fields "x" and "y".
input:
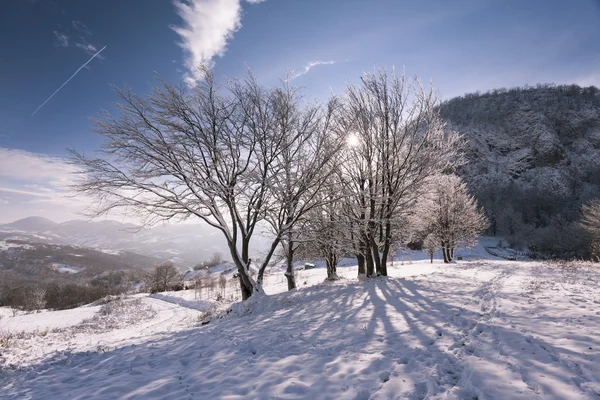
{"x": 62, "y": 39}
{"x": 81, "y": 27}
{"x": 30, "y": 180}
{"x": 309, "y": 66}
{"x": 33, "y": 167}
{"x": 87, "y": 47}
{"x": 79, "y": 30}
{"x": 44, "y": 193}
{"x": 208, "y": 25}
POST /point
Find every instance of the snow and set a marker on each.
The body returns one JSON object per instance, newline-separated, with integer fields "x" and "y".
{"x": 60, "y": 334}
{"x": 4, "y": 245}
{"x": 486, "y": 328}
{"x": 110, "y": 251}
{"x": 185, "y": 299}
{"x": 65, "y": 268}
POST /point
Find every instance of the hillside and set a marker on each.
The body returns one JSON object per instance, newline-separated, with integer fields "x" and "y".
{"x": 41, "y": 263}
{"x": 185, "y": 244}
{"x": 533, "y": 157}
{"x": 478, "y": 329}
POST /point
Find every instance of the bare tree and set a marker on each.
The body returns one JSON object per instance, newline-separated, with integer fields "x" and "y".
{"x": 305, "y": 161}
{"x": 163, "y": 277}
{"x": 450, "y": 216}
{"x": 397, "y": 141}
{"x": 326, "y": 230}
{"x": 210, "y": 153}
{"x": 590, "y": 221}
{"x": 430, "y": 245}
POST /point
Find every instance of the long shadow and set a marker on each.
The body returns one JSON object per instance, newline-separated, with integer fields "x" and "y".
{"x": 329, "y": 341}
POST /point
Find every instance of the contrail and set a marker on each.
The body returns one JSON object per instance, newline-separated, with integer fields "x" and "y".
{"x": 72, "y": 76}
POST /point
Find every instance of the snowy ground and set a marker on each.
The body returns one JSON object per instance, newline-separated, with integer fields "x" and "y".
{"x": 479, "y": 329}
{"x": 40, "y": 337}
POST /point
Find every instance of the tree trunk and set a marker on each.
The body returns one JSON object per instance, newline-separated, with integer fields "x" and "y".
{"x": 246, "y": 293}
{"x": 431, "y": 257}
{"x": 369, "y": 262}
{"x": 331, "y": 262}
{"x": 446, "y": 254}
{"x": 263, "y": 267}
{"x": 376, "y": 257}
{"x": 384, "y": 257}
{"x": 246, "y": 284}
{"x": 361, "y": 264}
{"x": 289, "y": 271}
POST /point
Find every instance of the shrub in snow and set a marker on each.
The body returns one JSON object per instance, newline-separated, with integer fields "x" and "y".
{"x": 117, "y": 314}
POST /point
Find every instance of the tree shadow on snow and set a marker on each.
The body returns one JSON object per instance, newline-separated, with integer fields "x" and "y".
{"x": 382, "y": 338}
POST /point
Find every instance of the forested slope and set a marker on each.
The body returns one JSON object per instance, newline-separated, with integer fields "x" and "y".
{"x": 533, "y": 158}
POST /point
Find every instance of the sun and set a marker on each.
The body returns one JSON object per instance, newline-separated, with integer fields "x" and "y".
{"x": 352, "y": 140}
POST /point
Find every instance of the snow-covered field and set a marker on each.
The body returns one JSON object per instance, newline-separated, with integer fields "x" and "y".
{"x": 65, "y": 268}
{"x": 479, "y": 329}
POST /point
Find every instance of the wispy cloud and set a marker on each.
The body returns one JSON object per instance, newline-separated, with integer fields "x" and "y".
{"x": 67, "y": 81}
{"x": 208, "y": 25}
{"x": 88, "y": 48}
{"x": 75, "y": 36}
{"x": 34, "y": 168}
{"x": 28, "y": 180}
{"x": 309, "y": 66}
{"x": 81, "y": 27}
{"x": 62, "y": 39}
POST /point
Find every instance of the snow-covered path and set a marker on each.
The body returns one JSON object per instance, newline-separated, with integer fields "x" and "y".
{"x": 474, "y": 330}
{"x": 168, "y": 318}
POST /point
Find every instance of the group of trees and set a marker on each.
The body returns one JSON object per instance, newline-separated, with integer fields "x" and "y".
{"x": 31, "y": 296}
{"x": 346, "y": 178}
{"x": 163, "y": 277}
{"x": 57, "y": 296}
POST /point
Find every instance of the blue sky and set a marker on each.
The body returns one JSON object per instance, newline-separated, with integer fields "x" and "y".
{"x": 461, "y": 45}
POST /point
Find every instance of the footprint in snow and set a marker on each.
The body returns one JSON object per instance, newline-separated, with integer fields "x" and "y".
{"x": 384, "y": 376}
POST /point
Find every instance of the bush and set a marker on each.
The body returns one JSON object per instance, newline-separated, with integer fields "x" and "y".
{"x": 562, "y": 241}
{"x": 116, "y": 314}
{"x": 25, "y": 298}
{"x": 62, "y": 297}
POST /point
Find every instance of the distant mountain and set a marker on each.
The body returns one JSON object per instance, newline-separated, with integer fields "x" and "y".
{"x": 33, "y": 224}
{"x": 533, "y": 155}
{"x": 185, "y": 244}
